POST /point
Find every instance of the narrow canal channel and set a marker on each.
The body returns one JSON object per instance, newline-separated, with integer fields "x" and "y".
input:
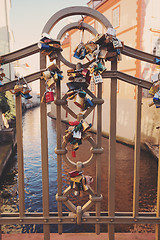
{"x": 33, "y": 178}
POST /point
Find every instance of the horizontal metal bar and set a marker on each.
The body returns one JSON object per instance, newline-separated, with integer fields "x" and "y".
{"x": 21, "y": 53}
{"x": 127, "y": 78}
{"x": 107, "y": 74}
{"x": 103, "y": 213}
{"x": 86, "y": 219}
{"x": 29, "y": 78}
{"x": 134, "y": 53}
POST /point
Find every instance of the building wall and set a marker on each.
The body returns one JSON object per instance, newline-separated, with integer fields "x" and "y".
{"x": 5, "y": 40}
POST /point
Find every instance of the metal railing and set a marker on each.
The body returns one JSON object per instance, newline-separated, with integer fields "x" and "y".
{"x": 78, "y": 214}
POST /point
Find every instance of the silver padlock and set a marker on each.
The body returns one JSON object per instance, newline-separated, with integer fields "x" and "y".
{"x": 97, "y": 78}
{"x": 77, "y": 134}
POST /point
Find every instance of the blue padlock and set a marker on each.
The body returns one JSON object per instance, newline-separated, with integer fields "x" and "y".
{"x": 157, "y": 61}
{"x": 26, "y": 96}
{"x": 44, "y": 47}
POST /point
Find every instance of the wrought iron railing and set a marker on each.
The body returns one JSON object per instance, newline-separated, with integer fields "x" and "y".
{"x": 81, "y": 214}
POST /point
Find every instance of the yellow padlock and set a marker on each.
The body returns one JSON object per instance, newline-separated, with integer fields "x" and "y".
{"x": 85, "y": 126}
{"x": 50, "y": 83}
{"x": 55, "y": 77}
{"x": 46, "y": 75}
{"x": 76, "y": 179}
{"x": 79, "y": 101}
{"x": 18, "y": 88}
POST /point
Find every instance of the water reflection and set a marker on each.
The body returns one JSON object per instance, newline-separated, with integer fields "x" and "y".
{"x": 33, "y": 177}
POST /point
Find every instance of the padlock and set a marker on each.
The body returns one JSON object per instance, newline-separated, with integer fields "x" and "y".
{"x": 151, "y": 104}
{"x": 44, "y": 48}
{"x": 97, "y": 78}
{"x": 85, "y": 126}
{"x": 80, "y": 51}
{"x": 90, "y": 47}
{"x": 90, "y": 57}
{"x": 72, "y": 86}
{"x": 26, "y": 96}
{"x": 67, "y": 138}
{"x": 74, "y": 173}
{"x": 75, "y": 146}
{"x": 100, "y": 66}
{"x": 92, "y": 67}
{"x": 82, "y": 94}
{"x": 53, "y": 68}
{"x": 117, "y": 43}
{"x": 84, "y": 186}
{"x": 77, "y": 134}
{"x": 154, "y": 89}
{"x": 18, "y": 88}
{"x": 72, "y": 96}
{"x": 89, "y": 180}
{"x": 157, "y": 61}
{"x": 111, "y": 56}
{"x": 99, "y": 39}
{"x": 79, "y": 79}
{"x": 49, "y": 97}
{"x": 88, "y": 103}
{"x": 50, "y": 83}
{"x": 46, "y": 75}
{"x": 78, "y": 127}
{"x": 53, "y": 55}
{"x": 85, "y": 72}
{"x": 76, "y": 179}
{"x": 155, "y": 77}
{"x": 26, "y": 90}
{"x": 55, "y": 77}
{"x": 79, "y": 101}
{"x": 103, "y": 53}
{"x": 111, "y": 32}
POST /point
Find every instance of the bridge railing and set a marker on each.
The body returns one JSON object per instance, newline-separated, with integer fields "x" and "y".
{"x": 76, "y": 214}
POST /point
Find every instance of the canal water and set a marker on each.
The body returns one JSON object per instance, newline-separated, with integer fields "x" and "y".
{"x": 33, "y": 178}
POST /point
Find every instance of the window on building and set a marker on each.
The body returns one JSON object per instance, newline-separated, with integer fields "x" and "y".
{"x": 116, "y": 18}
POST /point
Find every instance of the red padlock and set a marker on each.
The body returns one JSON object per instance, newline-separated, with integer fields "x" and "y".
{"x": 49, "y": 97}
{"x": 73, "y": 154}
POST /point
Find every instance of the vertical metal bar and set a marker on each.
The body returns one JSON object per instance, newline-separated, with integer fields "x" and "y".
{"x": 98, "y": 160}
{"x": 112, "y": 151}
{"x": 137, "y": 152}
{"x": 1, "y": 204}
{"x": 59, "y": 157}
{"x": 44, "y": 154}
{"x": 158, "y": 192}
{"x": 19, "y": 134}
